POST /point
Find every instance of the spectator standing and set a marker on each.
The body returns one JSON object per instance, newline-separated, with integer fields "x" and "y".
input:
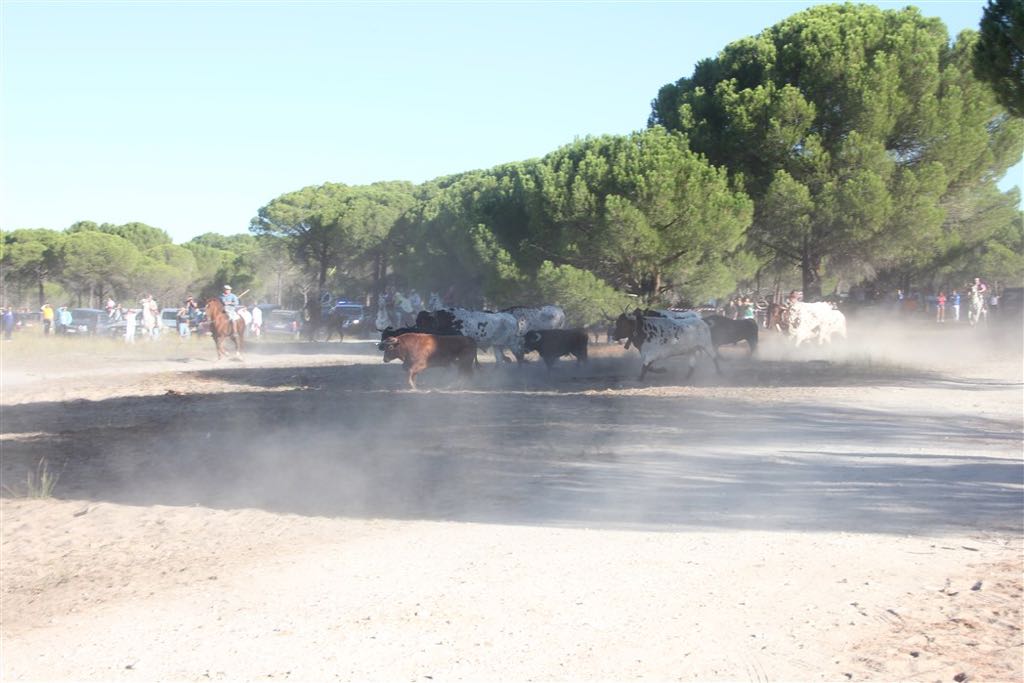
{"x": 47, "y": 311}
{"x": 130, "y": 321}
{"x": 182, "y": 319}
{"x": 993, "y": 302}
{"x": 747, "y": 309}
{"x": 257, "y": 321}
{"x": 940, "y": 308}
{"x": 731, "y": 308}
{"x": 154, "y": 312}
{"x": 64, "y": 320}
{"x": 954, "y": 303}
{"x": 8, "y": 323}
{"x": 148, "y": 320}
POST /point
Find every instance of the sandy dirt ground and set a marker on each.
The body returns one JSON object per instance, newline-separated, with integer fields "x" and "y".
{"x": 852, "y": 513}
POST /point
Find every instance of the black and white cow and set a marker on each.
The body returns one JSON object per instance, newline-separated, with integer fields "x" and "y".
{"x": 817, "y": 321}
{"x": 657, "y": 338}
{"x": 553, "y": 344}
{"x": 497, "y": 330}
{"x": 542, "y": 318}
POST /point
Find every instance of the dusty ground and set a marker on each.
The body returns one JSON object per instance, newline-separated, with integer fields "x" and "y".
{"x": 845, "y": 515}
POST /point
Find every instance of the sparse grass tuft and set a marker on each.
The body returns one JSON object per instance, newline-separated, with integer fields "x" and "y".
{"x": 39, "y": 483}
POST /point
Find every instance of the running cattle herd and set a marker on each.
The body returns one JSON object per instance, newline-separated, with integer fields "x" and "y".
{"x": 453, "y": 336}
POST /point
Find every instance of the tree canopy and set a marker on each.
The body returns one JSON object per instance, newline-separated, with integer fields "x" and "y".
{"x": 999, "y": 52}
{"x": 844, "y": 142}
{"x": 853, "y": 128}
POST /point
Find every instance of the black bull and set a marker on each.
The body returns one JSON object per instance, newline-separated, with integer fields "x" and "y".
{"x": 727, "y": 331}
{"x": 553, "y": 344}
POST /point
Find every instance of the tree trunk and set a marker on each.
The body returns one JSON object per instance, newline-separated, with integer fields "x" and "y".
{"x": 42, "y": 296}
{"x": 378, "y": 279}
{"x": 649, "y": 287}
{"x": 810, "y": 271}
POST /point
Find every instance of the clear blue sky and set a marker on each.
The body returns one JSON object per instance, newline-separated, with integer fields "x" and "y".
{"x": 190, "y": 116}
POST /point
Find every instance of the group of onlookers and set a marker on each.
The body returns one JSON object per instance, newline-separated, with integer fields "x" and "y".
{"x": 57, "y": 321}
{"x": 987, "y": 296}
{"x": 741, "y": 308}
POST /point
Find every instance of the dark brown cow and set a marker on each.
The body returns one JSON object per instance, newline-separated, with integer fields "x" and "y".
{"x": 419, "y": 351}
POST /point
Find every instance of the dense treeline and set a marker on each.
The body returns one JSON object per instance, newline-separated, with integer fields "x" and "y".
{"x": 844, "y": 144}
{"x": 863, "y": 138}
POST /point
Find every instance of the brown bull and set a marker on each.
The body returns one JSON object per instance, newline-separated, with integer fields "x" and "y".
{"x": 419, "y": 351}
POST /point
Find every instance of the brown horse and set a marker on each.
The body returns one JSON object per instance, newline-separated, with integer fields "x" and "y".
{"x": 222, "y": 327}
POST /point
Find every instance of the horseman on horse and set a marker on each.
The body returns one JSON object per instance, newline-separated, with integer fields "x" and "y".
{"x": 977, "y": 310}
{"x": 225, "y": 321}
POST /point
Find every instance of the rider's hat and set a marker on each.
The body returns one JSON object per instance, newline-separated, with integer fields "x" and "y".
{"x": 227, "y": 286}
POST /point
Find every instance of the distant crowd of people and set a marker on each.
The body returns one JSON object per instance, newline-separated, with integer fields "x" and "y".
{"x": 399, "y": 309}
{"x": 972, "y": 303}
{"x": 146, "y": 320}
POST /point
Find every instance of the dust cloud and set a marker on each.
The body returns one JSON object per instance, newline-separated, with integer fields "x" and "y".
{"x": 809, "y": 437}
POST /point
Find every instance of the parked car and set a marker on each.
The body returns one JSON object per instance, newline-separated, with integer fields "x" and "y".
{"x": 356, "y": 322}
{"x": 88, "y": 321}
{"x": 267, "y": 308}
{"x": 1011, "y": 305}
{"x": 169, "y": 318}
{"x": 283, "y": 323}
{"x": 25, "y": 320}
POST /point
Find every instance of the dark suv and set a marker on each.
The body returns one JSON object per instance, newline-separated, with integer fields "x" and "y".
{"x": 88, "y": 321}
{"x": 356, "y": 322}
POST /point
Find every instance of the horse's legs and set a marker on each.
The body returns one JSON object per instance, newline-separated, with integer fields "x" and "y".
{"x": 239, "y": 337}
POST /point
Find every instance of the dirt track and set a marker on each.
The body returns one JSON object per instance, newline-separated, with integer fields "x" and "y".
{"x": 803, "y": 517}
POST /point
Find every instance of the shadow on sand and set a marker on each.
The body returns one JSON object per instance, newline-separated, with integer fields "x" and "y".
{"x": 341, "y": 441}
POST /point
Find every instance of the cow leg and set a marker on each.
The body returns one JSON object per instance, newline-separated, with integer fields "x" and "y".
{"x": 718, "y": 370}
{"x": 415, "y": 369}
{"x": 693, "y": 364}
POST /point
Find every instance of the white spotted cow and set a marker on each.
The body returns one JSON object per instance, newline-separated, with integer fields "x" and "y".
{"x": 657, "y": 338}
{"x": 817, "y": 321}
